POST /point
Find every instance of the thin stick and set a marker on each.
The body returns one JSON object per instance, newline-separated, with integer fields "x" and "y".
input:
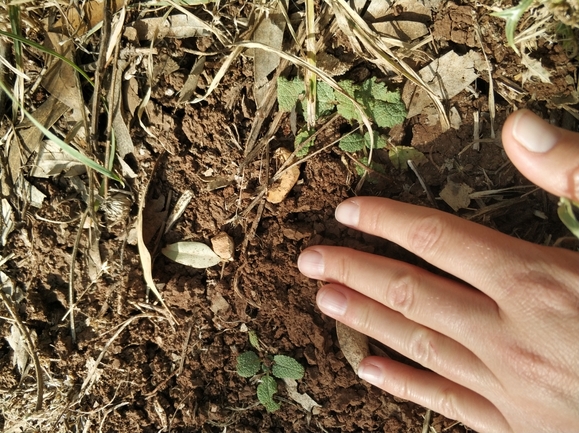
{"x": 71, "y": 277}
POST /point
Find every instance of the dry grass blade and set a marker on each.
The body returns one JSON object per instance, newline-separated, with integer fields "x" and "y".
{"x": 356, "y": 26}
{"x": 310, "y": 78}
{"x": 144, "y": 255}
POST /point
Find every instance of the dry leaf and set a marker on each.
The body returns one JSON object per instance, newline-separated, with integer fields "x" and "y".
{"x": 456, "y": 195}
{"x": 7, "y": 222}
{"x": 269, "y": 32}
{"x": 179, "y": 209}
{"x": 174, "y": 26}
{"x": 304, "y": 400}
{"x": 61, "y": 79}
{"x": 446, "y": 77}
{"x": 354, "y": 345}
{"x": 194, "y": 254}
{"x": 17, "y": 343}
{"x": 281, "y": 189}
{"x": 534, "y": 69}
{"x": 51, "y": 160}
{"x": 186, "y": 93}
{"x": 92, "y": 14}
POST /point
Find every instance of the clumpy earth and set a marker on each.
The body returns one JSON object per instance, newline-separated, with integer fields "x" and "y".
{"x": 130, "y": 369}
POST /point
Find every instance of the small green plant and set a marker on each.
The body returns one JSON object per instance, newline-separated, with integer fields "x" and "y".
{"x": 249, "y": 364}
{"x": 382, "y": 106}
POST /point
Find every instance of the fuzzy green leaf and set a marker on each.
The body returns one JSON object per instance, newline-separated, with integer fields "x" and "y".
{"x": 326, "y": 98}
{"x": 400, "y": 155}
{"x": 289, "y": 92}
{"x": 385, "y": 114}
{"x": 285, "y": 367}
{"x": 376, "y": 166}
{"x": 346, "y": 108}
{"x": 265, "y": 392}
{"x": 300, "y": 138}
{"x": 379, "y": 141}
{"x": 248, "y": 364}
{"x": 352, "y": 143}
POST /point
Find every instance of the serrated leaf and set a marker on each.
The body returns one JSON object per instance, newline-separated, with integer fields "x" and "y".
{"x": 265, "y": 392}
{"x": 194, "y": 254}
{"x": 346, "y": 108}
{"x": 326, "y": 98}
{"x": 300, "y": 138}
{"x": 248, "y": 364}
{"x": 285, "y": 367}
{"x": 288, "y": 92}
{"x": 352, "y": 143}
{"x": 387, "y": 115}
{"x": 379, "y": 141}
{"x": 400, "y": 155}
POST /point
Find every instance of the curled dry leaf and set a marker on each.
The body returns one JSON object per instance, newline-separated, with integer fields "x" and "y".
{"x": 354, "y": 344}
{"x": 281, "y": 189}
{"x": 304, "y": 400}
{"x": 223, "y": 246}
{"x": 194, "y": 254}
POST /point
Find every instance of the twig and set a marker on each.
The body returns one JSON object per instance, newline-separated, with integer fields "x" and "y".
{"x": 424, "y": 186}
{"x": 71, "y": 277}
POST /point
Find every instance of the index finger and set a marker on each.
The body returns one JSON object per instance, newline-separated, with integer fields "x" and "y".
{"x": 486, "y": 259}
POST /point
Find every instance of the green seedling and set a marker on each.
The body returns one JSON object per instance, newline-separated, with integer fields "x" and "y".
{"x": 566, "y": 212}
{"x": 382, "y": 106}
{"x": 249, "y": 364}
{"x": 513, "y": 16}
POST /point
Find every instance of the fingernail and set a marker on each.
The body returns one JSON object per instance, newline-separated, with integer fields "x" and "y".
{"x": 533, "y": 133}
{"x": 348, "y": 213}
{"x": 311, "y": 264}
{"x": 333, "y": 302}
{"x": 370, "y": 373}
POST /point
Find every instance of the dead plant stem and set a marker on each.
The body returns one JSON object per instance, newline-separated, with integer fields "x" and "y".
{"x": 71, "y": 276}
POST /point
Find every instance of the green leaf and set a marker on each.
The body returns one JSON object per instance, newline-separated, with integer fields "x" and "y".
{"x": 567, "y": 215}
{"x": 194, "y": 254}
{"x": 300, "y": 138}
{"x": 385, "y": 114}
{"x": 352, "y": 143}
{"x": 289, "y": 92}
{"x": 285, "y": 367}
{"x": 379, "y": 141}
{"x": 326, "y": 98}
{"x": 346, "y": 108}
{"x": 265, "y": 392}
{"x": 376, "y": 166}
{"x": 248, "y": 364}
{"x": 513, "y": 16}
{"x": 253, "y": 340}
{"x": 400, "y": 155}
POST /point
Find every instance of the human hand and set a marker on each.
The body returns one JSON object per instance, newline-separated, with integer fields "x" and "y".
{"x": 503, "y": 358}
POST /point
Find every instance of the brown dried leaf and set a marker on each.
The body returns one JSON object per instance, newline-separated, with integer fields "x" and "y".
{"x": 281, "y": 189}
{"x": 354, "y": 344}
{"x": 223, "y": 246}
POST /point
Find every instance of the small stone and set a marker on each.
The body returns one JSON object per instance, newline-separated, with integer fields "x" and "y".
{"x": 223, "y": 246}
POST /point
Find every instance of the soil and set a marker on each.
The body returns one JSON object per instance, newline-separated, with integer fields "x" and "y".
{"x": 154, "y": 376}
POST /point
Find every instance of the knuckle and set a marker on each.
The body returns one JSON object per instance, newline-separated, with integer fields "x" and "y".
{"x": 421, "y": 346}
{"x": 425, "y": 234}
{"x": 446, "y": 403}
{"x": 400, "y": 292}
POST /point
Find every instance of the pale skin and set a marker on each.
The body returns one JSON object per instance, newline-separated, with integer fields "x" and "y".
{"x": 501, "y": 348}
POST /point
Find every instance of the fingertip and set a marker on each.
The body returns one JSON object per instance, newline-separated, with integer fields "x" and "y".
{"x": 348, "y": 212}
{"x": 531, "y": 132}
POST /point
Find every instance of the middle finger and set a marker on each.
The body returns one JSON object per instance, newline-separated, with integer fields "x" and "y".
{"x": 446, "y": 306}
